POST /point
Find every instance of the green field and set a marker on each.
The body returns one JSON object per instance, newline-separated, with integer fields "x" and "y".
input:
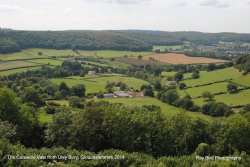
{"x": 19, "y": 70}
{"x": 213, "y": 76}
{"x": 17, "y": 56}
{"x": 168, "y": 74}
{"x": 52, "y": 62}
{"x": 162, "y": 48}
{"x": 50, "y": 52}
{"x": 214, "y": 88}
{"x": 167, "y": 109}
{"x": 112, "y": 53}
{"x": 97, "y": 83}
{"x": 244, "y": 80}
{"x": 15, "y": 65}
{"x": 241, "y": 98}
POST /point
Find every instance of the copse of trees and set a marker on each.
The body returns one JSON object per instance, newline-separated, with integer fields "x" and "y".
{"x": 216, "y": 109}
{"x": 12, "y": 40}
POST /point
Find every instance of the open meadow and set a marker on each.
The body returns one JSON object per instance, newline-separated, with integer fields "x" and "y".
{"x": 52, "y": 62}
{"x": 15, "y": 65}
{"x": 112, "y": 53}
{"x": 174, "y": 58}
{"x": 214, "y": 76}
{"x": 95, "y": 84}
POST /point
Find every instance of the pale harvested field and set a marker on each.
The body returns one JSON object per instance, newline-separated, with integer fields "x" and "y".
{"x": 175, "y": 58}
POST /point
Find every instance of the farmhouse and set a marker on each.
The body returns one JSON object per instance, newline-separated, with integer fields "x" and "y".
{"x": 122, "y": 94}
{"x": 92, "y": 73}
{"x": 109, "y": 95}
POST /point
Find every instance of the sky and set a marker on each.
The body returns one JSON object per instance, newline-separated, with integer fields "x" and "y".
{"x": 165, "y": 15}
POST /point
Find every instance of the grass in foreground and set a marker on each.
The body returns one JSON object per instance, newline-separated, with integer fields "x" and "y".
{"x": 167, "y": 109}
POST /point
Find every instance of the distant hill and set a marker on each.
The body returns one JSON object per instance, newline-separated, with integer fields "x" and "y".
{"x": 131, "y": 40}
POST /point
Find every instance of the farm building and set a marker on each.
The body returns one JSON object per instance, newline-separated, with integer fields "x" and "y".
{"x": 122, "y": 94}
{"x": 91, "y": 73}
{"x": 109, "y": 95}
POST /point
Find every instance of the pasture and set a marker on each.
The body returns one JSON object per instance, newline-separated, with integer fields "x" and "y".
{"x": 17, "y": 56}
{"x": 214, "y": 76}
{"x": 19, "y": 70}
{"x": 241, "y": 98}
{"x": 52, "y": 62}
{"x": 50, "y": 52}
{"x": 112, "y": 53}
{"x": 244, "y": 80}
{"x": 95, "y": 84}
{"x": 15, "y": 64}
{"x": 174, "y": 58}
{"x": 214, "y": 88}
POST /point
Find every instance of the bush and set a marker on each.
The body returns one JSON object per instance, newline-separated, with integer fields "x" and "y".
{"x": 50, "y": 109}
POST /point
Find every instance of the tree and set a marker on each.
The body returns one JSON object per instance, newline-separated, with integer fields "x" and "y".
{"x": 31, "y": 95}
{"x": 195, "y": 75}
{"x": 182, "y": 86}
{"x": 216, "y": 109}
{"x": 64, "y": 86}
{"x": 7, "y": 130}
{"x": 157, "y": 85}
{"x": 238, "y": 132}
{"x": 78, "y": 90}
{"x": 75, "y": 101}
{"x": 9, "y": 105}
{"x": 58, "y": 132}
{"x": 232, "y": 88}
{"x": 123, "y": 86}
{"x": 147, "y": 90}
{"x": 203, "y": 149}
{"x": 246, "y": 109}
{"x": 211, "y": 67}
{"x": 169, "y": 96}
{"x": 178, "y": 76}
{"x": 40, "y": 53}
{"x": 207, "y": 95}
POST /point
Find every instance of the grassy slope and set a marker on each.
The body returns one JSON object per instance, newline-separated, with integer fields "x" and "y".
{"x": 244, "y": 80}
{"x": 15, "y": 64}
{"x": 47, "y": 61}
{"x": 16, "y": 56}
{"x": 50, "y": 52}
{"x": 241, "y": 98}
{"x": 214, "y": 88}
{"x": 19, "y": 70}
{"x": 97, "y": 84}
{"x": 112, "y": 53}
{"x": 213, "y": 76}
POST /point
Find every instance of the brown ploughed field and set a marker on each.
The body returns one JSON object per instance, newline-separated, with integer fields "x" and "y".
{"x": 175, "y": 58}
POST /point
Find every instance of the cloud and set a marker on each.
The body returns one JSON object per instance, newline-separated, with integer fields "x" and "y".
{"x": 10, "y": 8}
{"x": 217, "y": 3}
{"x": 119, "y": 1}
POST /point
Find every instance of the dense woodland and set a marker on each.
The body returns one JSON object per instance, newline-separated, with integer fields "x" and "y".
{"x": 131, "y": 40}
